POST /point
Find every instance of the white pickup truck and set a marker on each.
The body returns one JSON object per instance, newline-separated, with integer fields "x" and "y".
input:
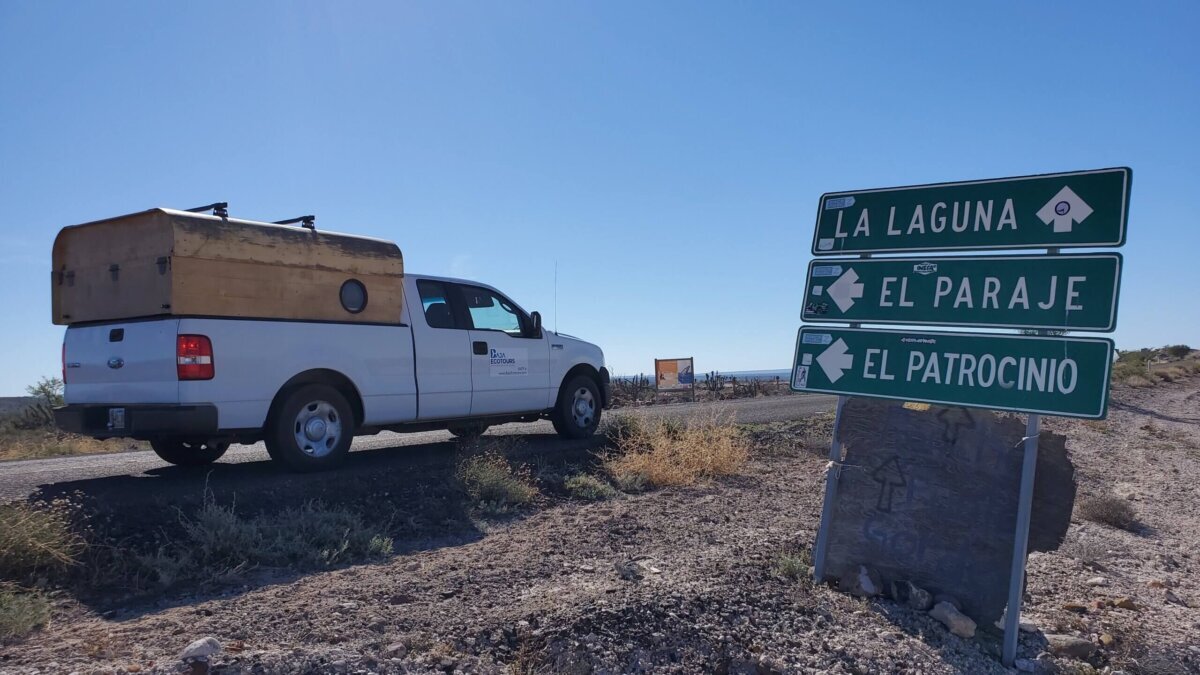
{"x": 459, "y": 356}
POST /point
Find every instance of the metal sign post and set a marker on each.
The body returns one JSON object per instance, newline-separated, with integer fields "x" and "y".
{"x": 1016, "y": 584}
{"x": 831, "y": 477}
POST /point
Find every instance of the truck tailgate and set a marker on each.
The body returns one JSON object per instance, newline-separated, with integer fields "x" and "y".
{"x": 122, "y": 362}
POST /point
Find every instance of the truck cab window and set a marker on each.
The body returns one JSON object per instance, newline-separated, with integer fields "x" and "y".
{"x": 436, "y": 304}
{"x": 490, "y": 311}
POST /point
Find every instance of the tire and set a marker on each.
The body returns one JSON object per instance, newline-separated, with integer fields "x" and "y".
{"x": 311, "y": 430}
{"x": 467, "y": 432}
{"x": 188, "y": 453}
{"x": 577, "y": 413}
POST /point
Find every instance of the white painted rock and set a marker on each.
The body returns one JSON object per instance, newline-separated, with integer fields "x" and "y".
{"x": 201, "y": 649}
{"x": 862, "y": 581}
{"x": 960, "y": 624}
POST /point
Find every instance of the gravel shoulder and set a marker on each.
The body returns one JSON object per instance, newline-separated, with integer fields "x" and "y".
{"x": 682, "y": 580}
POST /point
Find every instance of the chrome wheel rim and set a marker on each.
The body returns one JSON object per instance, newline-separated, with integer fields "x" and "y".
{"x": 583, "y": 407}
{"x": 318, "y": 428}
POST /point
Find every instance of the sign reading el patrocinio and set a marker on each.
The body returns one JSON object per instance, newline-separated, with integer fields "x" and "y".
{"x": 1082, "y": 208}
{"x": 1051, "y": 375}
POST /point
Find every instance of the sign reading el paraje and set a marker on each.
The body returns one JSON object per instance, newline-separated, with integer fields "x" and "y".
{"x": 1077, "y": 292}
{"x": 1023, "y": 373}
{"x": 1083, "y": 208}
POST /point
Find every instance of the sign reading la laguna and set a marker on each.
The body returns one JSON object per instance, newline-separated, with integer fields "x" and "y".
{"x": 1082, "y": 208}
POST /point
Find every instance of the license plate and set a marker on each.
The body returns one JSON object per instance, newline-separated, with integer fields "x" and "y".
{"x": 116, "y": 418}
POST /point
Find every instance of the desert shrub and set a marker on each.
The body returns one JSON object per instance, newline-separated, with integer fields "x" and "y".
{"x": 48, "y": 390}
{"x": 630, "y": 389}
{"x": 588, "y": 487}
{"x": 1135, "y": 357}
{"x": 218, "y": 542}
{"x": 631, "y": 482}
{"x": 1177, "y": 351}
{"x": 617, "y": 427}
{"x": 1107, "y": 510}
{"x": 36, "y": 415}
{"x": 1170, "y": 374}
{"x": 660, "y": 452}
{"x": 21, "y": 611}
{"x": 1087, "y": 550}
{"x": 793, "y": 563}
{"x": 36, "y": 538}
{"x": 1137, "y": 381}
{"x": 493, "y": 484}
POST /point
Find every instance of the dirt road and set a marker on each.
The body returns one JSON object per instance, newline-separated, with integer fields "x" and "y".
{"x": 21, "y": 478}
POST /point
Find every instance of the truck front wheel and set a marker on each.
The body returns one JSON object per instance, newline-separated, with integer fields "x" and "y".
{"x": 188, "y": 453}
{"x": 577, "y": 413}
{"x": 312, "y": 429}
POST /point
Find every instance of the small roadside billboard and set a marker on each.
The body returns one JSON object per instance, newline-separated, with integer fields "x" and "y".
{"x": 674, "y": 374}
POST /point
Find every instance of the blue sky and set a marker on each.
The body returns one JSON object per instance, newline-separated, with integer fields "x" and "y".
{"x": 668, "y": 155}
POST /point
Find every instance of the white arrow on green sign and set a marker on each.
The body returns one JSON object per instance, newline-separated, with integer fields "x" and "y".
{"x": 1082, "y": 208}
{"x": 1075, "y": 292}
{"x": 1065, "y": 376}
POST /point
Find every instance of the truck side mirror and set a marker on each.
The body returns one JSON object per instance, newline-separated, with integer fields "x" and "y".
{"x": 536, "y": 318}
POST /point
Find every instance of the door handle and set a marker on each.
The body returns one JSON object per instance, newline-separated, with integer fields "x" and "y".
{"x": 480, "y": 348}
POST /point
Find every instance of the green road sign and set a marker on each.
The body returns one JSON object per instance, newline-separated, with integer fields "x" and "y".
{"x": 1023, "y": 373}
{"x": 1077, "y": 292}
{"x": 1083, "y": 208}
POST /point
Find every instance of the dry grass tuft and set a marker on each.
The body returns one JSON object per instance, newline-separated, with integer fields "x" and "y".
{"x": 28, "y": 432}
{"x": 36, "y": 539}
{"x": 665, "y": 452}
{"x": 1137, "y": 381}
{"x": 21, "y": 612}
{"x": 42, "y": 443}
{"x": 494, "y": 485}
{"x": 1108, "y": 510}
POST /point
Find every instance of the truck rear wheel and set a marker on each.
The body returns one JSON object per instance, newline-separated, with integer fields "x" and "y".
{"x": 577, "y": 413}
{"x": 312, "y": 429}
{"x": 188, "y": 453}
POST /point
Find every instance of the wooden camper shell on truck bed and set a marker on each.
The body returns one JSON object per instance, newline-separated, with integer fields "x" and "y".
{"x": 164, "y": 262}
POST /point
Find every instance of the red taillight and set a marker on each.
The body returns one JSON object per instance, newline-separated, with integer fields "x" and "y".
{"x": 64, "y": 363}
{"x": 194, "y": 356}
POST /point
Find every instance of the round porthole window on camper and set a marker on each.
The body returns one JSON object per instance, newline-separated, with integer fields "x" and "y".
{"x": 354, "y": 296}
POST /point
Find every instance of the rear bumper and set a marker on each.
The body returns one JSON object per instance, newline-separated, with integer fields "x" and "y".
{"x": 141, "y": 421}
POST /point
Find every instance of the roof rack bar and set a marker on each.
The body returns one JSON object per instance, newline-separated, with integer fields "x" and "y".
{"x": 309, "y": 222}
{"x": 219, "y": 209}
